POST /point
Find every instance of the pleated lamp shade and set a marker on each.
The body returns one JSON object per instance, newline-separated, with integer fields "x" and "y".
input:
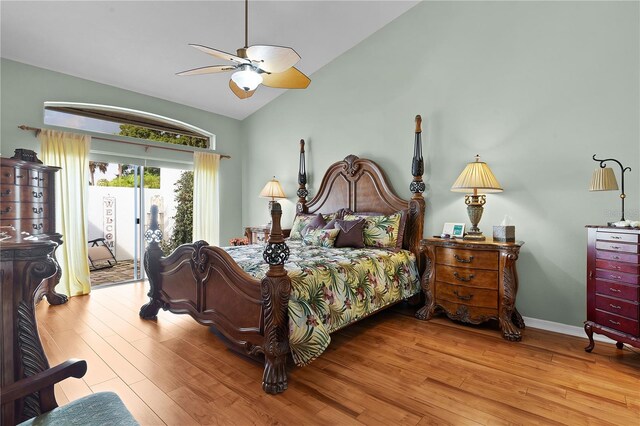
{"x": 603, "y": 179}
{"x": 272, "y": 190}
{"x": 477, "y": 175}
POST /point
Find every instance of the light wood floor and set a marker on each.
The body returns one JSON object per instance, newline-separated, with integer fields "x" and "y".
{"x": 389, "y": 369}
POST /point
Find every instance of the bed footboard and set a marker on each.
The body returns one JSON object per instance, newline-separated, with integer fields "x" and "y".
{"x": 204, "y": 282}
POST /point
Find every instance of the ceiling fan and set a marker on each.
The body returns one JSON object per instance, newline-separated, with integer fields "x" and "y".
{"x": 272, "y": 66}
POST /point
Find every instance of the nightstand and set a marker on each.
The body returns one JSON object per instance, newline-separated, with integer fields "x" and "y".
{"x": 472, "y": 282}
{"x": 257, "y": 234}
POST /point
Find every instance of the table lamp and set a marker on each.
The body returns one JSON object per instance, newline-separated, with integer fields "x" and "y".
{"x": 479, "y": 178}
{"x": 272, "y": 190}
{"x": 604, "y": 179}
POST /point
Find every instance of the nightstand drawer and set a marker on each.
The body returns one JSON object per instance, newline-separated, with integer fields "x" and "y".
{"x": 467, "y": 295}
{"x": 619, "y": 290}
{"x": 617, "y": 306}
{"x": 612, "y": 236}
{"x": 617, "y": 322}
{"x": 617, "y": 276}
{"x": 467, "y": 258}
{"x": 620, "y": 247}
{"x": 466, "y": 313}
{"x": 468, "y": 277}
{"x": 618, "y": 266}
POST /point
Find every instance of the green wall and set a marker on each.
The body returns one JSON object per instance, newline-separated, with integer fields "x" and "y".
{"x": 25, "y": 88}
{"x": 535, "y": 88}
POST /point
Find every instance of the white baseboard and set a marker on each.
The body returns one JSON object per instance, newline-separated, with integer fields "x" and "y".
{"x": 557, "y": 327}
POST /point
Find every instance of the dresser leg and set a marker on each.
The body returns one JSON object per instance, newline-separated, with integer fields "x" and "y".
{"x": 589, "y": 330}
{"x": 619, "y": 345}
{"x": 509, "y": 331}
{"x": 517, "y": 319}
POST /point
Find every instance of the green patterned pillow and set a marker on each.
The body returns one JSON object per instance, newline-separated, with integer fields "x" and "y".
{"x": 321, "y": 237}
{"x": 380, "y": 231}
{"x": 301, "y": 221}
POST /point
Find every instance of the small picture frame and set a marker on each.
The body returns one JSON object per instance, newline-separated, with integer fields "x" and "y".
{"x": 454, "y": 230}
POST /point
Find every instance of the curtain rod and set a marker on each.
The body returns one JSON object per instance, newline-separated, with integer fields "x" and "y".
{"x": 38, "y": 130}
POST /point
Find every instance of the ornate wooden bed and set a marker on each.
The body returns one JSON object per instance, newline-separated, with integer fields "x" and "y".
{"x": 251, "y": 315}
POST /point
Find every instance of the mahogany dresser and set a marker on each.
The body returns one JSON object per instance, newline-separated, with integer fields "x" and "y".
{"x": 473, "y": 282}
{"x": 27, "y": 203}
{"x": 23, "y": 266}
{"x": 613, "y": 285}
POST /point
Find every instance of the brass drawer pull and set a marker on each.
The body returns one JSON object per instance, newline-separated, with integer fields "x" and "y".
{"x": 459, "y": 278}
{"x": 38, "y": 210}
{"x": 615, "y": 247}
{"x": 7, "y": 192}
{"x": 616, "y": 257}
{"x": 615, "y": 277}
{"x": 615, "y": 237}
{"x": 35, "y": 178}
{"x": 615, "y": 290}
{"x": 37, "y": 194}
{"x": 38, "y": 226}
{"x": 614, "y": 306}
{"x": 461, "y": 260}
{"x": 614, "y": 322}
{"x": 465, "y": 298}
{"x": 19, "y": 176}
{"x": 8, "y": 175}
{"x": 7, "y": 210}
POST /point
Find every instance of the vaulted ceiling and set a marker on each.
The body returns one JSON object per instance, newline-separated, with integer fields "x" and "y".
{"x": 140, "y": 45}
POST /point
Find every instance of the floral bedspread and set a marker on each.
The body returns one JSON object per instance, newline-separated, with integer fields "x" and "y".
{"x": 332, "y": 287}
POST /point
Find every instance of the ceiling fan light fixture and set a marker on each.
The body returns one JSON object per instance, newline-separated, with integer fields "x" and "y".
{"x": 247, "y": 78}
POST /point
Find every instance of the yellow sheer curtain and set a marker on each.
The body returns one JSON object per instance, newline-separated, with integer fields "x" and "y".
{"x": 70, "y": 152}
{"x": 206, "y": 216}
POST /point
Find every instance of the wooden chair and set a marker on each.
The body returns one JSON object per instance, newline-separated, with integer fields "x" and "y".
{"x": 103, "y": 408}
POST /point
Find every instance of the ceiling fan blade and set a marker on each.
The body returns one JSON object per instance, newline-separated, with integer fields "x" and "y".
{"x": 220, "y": 54}
{"x": 273, "y": 59}
{"x": 238, "y": 91}
{"x": 290, "y": 79}
{"x": 208, "y": 70}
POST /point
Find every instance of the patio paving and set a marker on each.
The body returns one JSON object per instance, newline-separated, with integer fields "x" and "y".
{"x": 122, "y": 271}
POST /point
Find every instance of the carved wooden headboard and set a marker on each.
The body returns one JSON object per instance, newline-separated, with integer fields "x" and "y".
{"x": 361, "y": 185}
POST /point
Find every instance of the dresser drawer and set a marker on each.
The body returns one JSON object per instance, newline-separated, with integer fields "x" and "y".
{"x": 621, "y": 307}
{"x": 618, "y": 266}
{"x": 14, "y": 176}
{"x": 468, "y": 277}
{"x": 617, "y": 322}
{"x": 23, "y": 210}
{"x": 612, "y": 236}
{"x": 619, "y": 290}
{"x": 620, "y": 257}
{"x": 471, "y": 296}
{"x": 622, "y": 277}
{"x": 467, "y": 258}
{"x": 620, "y": 247}
{"x": 24, "y": 194}
{"x": 463, "y": 312}
{"x": 32, "y": 226}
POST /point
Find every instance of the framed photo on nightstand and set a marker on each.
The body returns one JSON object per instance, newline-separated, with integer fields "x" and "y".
{"x": 454, "y": 230}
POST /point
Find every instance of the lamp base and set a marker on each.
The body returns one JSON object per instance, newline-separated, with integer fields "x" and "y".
{"x": 474, "y": 236}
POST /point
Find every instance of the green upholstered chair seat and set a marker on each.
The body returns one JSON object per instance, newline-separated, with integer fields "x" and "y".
{"x": 98, "y": 409}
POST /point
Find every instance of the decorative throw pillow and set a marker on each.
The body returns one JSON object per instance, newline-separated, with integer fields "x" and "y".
{"x": 381, "y": 231}
{"x": 317, "y": 222}
{"x": 301, "y": 221}
{"x": 321, "y": 237}
{"x": 351, "y": 233}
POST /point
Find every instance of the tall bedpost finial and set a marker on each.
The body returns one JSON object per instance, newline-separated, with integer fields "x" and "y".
{"x": 417, "y": 204}
{"x": 153, "y": 237}
{"x": 302, "y": 181}
{"x": 275, "y": 288}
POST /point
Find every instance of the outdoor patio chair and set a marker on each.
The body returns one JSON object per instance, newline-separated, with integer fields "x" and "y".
{"x": 100, "y": 255}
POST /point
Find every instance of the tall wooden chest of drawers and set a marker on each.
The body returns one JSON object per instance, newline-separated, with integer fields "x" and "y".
{"x": 472, "y": 281}
{"x": 27, "y": 203}
{"x": 613, "y": 285}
